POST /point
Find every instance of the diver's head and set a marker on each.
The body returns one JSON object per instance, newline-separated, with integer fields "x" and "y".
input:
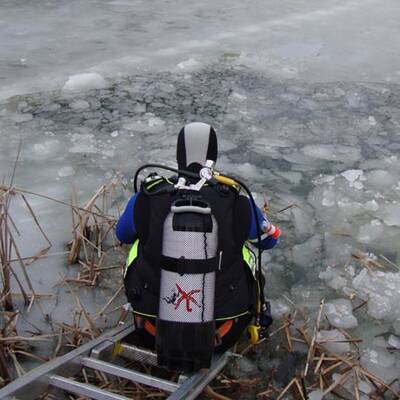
{"x": 197, "y": 142}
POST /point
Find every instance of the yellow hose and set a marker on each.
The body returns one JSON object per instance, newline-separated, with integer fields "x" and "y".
{"x": 225, "y": 180}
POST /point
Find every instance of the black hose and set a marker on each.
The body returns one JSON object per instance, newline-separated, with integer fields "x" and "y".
{"x": 178, "y": 171}
{"x": 259, "y": 266}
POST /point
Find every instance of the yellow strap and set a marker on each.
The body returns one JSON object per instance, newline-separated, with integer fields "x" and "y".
{"x": 132, "y": 253}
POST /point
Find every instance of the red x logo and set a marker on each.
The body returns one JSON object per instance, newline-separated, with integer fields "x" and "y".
{"x": 188, "y": 297}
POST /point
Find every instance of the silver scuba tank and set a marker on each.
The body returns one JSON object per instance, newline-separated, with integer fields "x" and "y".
{"x": 185, "y": 325}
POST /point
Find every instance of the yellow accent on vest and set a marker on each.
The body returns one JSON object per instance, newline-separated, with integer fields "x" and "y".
{"x": 250, "y": 259}
{"x": 132, "y": 253}
{"x": 152, "y": 184}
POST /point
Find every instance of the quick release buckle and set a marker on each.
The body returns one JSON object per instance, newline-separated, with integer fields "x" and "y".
{"x": 152, "y": 177}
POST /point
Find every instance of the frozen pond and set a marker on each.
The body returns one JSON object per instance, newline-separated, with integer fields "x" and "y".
{"x": 304, "y": 96}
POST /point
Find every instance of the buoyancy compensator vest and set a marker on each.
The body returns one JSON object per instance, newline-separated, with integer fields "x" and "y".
{"x": 178, "y": 264}
{"x": 185, "y": 325}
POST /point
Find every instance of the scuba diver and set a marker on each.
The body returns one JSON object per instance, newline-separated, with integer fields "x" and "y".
{"x": 190, "y": 277}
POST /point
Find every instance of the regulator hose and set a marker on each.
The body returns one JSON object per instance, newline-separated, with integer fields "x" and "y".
{"x": 178, "y": 171}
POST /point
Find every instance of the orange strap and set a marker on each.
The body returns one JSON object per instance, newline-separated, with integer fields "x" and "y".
{"x": 147, "y": 324}
{"x": 225, "y": 328}
{"x": 221, "y": 331}
{"x": 150, "y": 328}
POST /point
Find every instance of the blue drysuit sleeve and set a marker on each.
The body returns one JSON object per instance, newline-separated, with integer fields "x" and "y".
{"x": 267, "y": 242}
{"x": 126, "y": 230}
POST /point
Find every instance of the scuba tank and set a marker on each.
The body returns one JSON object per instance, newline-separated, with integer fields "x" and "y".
{"x": 185, "y": 324}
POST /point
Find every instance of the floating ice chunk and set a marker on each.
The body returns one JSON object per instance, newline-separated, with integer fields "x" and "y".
{"x": 79, "y": 105}
{"x": 379, "y": 178}
{"x": 18, "y": 118}
{"x": 394, "y": 341}
{"x": 306, "y": 297}
{"x": 292, "y": 176}
{"x": 381, "y": 363}
{"x": 279, "y": 308}
{"x": 365, "y": 387}
{"x": 86, "y": 81}
{"x": 333, "y": 341}
{"x": 108, "y": 153}
{"x": 238, "y": 96}
{"x": 47, "y": 147}
{"x": 390, "y": 213}
{"x": 345, "y": 383}
{"x": 382, "y": 289}
{"x": 114, "y": 134}
{"x": 372, "y": 120}
{"x": 247, "y": 170}
{"x": 340, "y": 314}
{"x": 66, "y": 171}
{"x": 303, "y": 222}
{"x": 353, "y": 98}
{"x": 191, "y": 63}
{"x": 227, "y": 145}
{"x": 83, "y": 143}
{"x": 315, "y": 395}
{"x": 370, "y": 232}
{"x": 352, "y": 175}
{"x": 243, "y": 367}
{"x": 371, "y": 205}
{"x": 350, "y": 208}
{"x": 155, "y": 121}
{"x": 261, "y": 140}
{"x": 333, "y": 278}
{"x": 358, "y": 185}
{"x": 321, "y": 179}
{"x": 396, "y": 326}
{"x": 308, "y": 253}
{"x": 22, "y": 106}
{"x": 139, "y": 108}
{"x": 333, "y": 152}
{"x": 379, "y": 342}
{"x": 329, "y": 197}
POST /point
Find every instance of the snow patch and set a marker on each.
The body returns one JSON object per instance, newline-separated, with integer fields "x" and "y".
{"x": 83, "y": 82}
{"x": 372, "y": 120}
{"x": 191, "y": 63}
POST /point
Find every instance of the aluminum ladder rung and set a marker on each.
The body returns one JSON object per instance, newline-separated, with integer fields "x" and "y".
{"x": 36, "y": 382}
{"x": 195, "y": 384}
{"x": 132, "y": 375}
{"x": 137, "y": 354}
{"x": 83, "y": 389}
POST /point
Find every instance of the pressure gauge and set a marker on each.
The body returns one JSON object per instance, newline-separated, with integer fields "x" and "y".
{"x": 206, "y": 173}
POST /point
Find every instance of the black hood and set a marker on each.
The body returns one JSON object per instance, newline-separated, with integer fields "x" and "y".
{"x": 197, "y": 142}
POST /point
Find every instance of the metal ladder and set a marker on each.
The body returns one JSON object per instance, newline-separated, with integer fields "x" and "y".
{"x": 58, "y": 373}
